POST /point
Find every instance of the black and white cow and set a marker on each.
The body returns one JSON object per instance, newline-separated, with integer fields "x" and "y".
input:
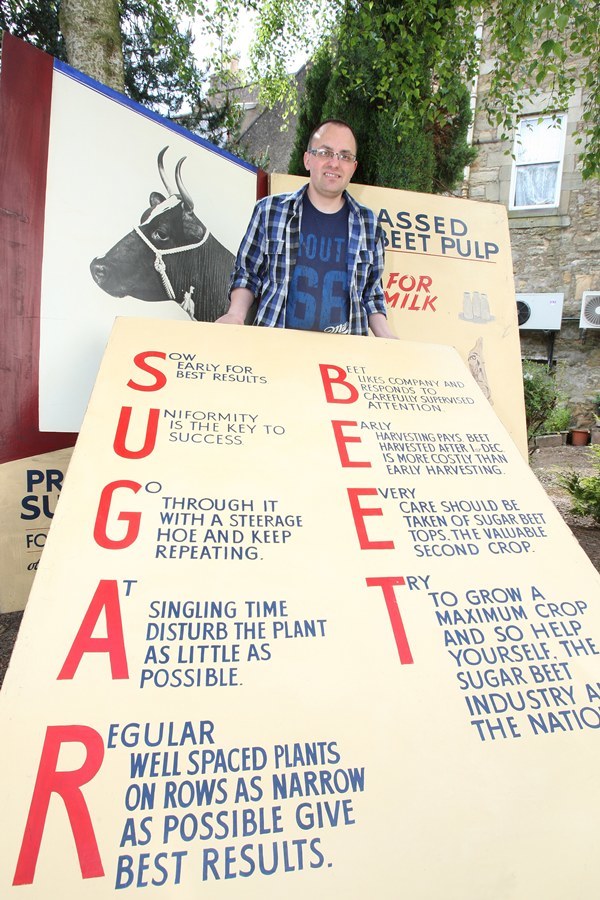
{"x": 170, "y": 255}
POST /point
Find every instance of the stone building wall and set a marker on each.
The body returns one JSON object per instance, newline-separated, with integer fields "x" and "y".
{"x": 554, "y": 250}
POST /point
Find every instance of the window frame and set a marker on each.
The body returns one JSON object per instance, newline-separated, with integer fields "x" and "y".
{"x": 554, "y": 119}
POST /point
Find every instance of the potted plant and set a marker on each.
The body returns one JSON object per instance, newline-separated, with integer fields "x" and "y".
{"x": 580, "y": 437}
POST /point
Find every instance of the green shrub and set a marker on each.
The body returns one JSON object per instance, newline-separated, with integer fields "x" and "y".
{"x": 584, "y": 489}
{"x": 558, "y": 419}
{"x": 541, "y": 396}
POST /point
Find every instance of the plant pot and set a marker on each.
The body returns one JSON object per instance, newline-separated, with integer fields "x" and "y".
{"x": 580, "y": 437}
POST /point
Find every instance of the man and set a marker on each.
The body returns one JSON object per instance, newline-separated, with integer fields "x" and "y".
{"x": 314, "y": 259}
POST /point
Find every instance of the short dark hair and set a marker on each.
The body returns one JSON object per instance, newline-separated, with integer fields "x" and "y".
{"x": 331, "y": 122}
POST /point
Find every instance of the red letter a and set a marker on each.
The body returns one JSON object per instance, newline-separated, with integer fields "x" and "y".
{"x": 106, "y": 598}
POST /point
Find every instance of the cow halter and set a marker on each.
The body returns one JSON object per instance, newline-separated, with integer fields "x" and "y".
{"x": 159, "y": 264}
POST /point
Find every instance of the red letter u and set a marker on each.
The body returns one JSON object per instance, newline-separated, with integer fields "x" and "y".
{"x": 123, "y": 427}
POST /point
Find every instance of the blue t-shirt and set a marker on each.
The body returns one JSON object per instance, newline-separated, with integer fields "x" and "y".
{"x": 318, "y": 297}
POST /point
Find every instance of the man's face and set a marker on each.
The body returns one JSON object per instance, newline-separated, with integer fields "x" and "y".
{"x": 330, "y": 177}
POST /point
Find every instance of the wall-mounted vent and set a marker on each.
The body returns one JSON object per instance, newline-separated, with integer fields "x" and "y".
{"x": 590, "y": 310}
{"x": 539, "y": 311}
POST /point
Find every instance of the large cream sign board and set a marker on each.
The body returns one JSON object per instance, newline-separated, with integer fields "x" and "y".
{"x": 449, "y": 279}
{"x": 288, "y": 641}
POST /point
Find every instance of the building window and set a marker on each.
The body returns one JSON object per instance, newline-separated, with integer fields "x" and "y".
{"x": 537, "y": 169}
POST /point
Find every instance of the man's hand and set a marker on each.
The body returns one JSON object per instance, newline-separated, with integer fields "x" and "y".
{"x": 230, "y": 319}
{"x": 239, "y": 304}
{"x": 379, "y": 326}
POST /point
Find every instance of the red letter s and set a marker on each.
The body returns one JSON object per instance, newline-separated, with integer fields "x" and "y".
{"x": 160, "y": 379}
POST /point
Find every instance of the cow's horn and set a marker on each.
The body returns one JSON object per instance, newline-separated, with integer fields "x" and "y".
{"x": 187, "y": 200}
{"x": 161, "y": 171}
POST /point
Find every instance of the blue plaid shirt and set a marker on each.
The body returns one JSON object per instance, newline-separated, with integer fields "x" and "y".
{"x": 268, "y": 253}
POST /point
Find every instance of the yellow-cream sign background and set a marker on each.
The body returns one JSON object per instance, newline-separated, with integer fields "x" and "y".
{"x": 283, "y": 642}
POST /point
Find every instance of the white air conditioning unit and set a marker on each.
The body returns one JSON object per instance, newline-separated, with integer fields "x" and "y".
{"x": 590, "y": 310}
{"x": 539, "y": 311}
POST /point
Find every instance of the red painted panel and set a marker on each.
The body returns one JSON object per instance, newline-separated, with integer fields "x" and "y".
{"x": 262, "y": 184}
{"x": 25, "y": 97}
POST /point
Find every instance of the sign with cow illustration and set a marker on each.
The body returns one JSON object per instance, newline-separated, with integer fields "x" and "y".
{"x": 79, "y": 168}
{"x": 151, "y": 225}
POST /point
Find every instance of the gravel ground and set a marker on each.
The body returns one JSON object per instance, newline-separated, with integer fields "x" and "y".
{"x": 9, "y": 628}
{"x": 546, "y": 464}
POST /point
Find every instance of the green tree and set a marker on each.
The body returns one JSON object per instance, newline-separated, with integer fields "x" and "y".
{"x": 34, "y": 22}
{"x": 413, "y": 155}
{"x": 451, "y": 149}
{"x": 311, "y": 107}
{"x": 92, "y": 37}
{"x": 157, "y": 66}
{"x": 541, "y": 398}
{"x": 419, "y": 47}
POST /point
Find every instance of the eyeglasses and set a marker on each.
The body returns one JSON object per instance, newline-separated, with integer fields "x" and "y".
{"x": 322, "y": 153}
